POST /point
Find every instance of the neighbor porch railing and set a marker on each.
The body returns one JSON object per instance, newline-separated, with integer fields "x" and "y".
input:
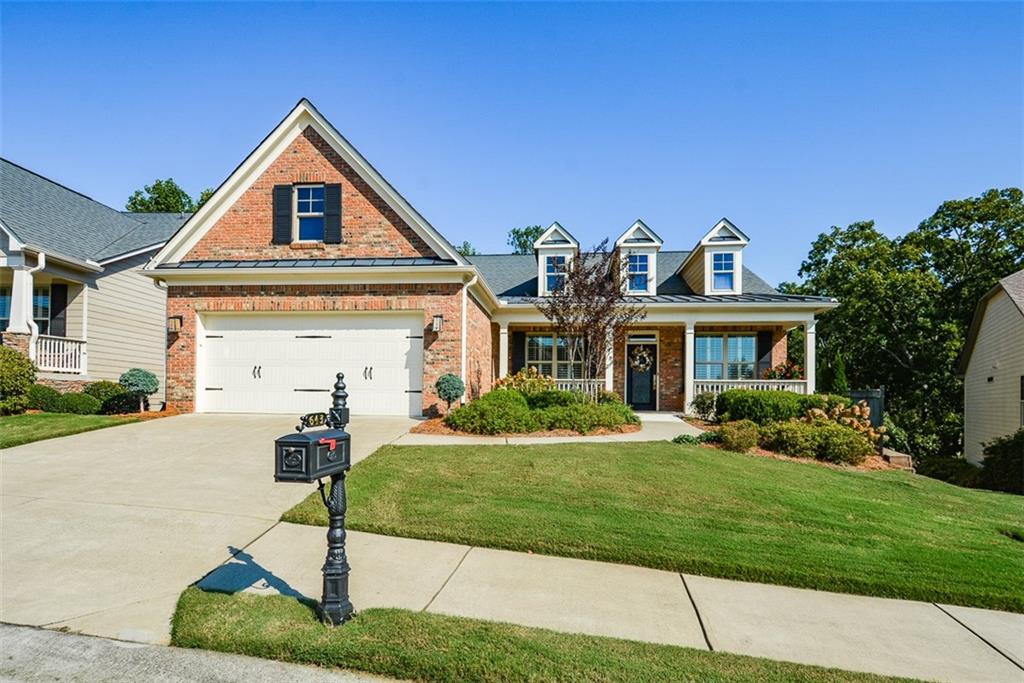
{"x": 60, "y": 354}
{"x": 717, "y": 386}
{"x": 590, "y": 387}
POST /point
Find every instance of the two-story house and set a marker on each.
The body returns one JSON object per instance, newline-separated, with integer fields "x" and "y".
{"x": 306, "y": 262}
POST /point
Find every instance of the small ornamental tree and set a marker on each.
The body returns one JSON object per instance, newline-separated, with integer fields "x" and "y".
{"x": 450, "y": 388}
{"x": 141, "y": 384}
{"x": 591, "y": 311}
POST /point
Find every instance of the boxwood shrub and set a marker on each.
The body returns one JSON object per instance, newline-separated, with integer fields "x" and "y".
{"x": 44, "y": 398}
{"x": 739, "y": 436}
{"x": 17, "y": 373}
{"x": 763, "y": 407}
{"x": 497, "y": 412}
{"x": 80, "y": 404}
{"x": 553, "y": 397}
{"x": 103, "y": 390}
{"x": 821, "y": 439}
{"x": 505, "y": 411}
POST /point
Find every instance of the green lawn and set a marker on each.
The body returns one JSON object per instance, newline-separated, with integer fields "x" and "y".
{"x": 701, "y": 511}
{"x": 18, "y": 429}
{"x": 432, "y": 647}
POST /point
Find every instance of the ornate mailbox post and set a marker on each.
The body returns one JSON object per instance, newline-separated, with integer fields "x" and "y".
{"x": 311, "y": 456}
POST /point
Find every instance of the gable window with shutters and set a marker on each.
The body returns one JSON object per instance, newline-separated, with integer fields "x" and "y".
{"x": 309, "y": 213}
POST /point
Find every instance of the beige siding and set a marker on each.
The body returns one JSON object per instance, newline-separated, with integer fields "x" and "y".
{"x": 126, "y": 322}
{"x": 693, "y": 273}
{"x": 76, "y": 311}
{"x": 992, "y": 408}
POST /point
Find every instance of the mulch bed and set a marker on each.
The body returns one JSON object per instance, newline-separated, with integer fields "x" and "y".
{"x": 871, "y": 463}
{"x": 436, "y": 425}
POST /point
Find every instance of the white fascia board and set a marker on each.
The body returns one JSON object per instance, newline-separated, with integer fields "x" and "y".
{"x": 304, "y": 276}
{"x": 639, "y": 225}
{"x": 129, "y": 254}
{"x": 227, "y": 194}
{"x": 552, "y": 229}
{"x": 661, "y": 314}
{"x": 706, "y": 240}
{"x": 79, "y": 264}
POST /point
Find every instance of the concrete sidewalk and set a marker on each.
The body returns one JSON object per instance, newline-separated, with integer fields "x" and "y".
{"x": 653, "y": 427}
{"x": 892, "y": 637}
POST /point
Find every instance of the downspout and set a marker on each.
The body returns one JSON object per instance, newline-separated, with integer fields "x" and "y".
{"x": 465, "y": 323}
{"x": 33, "y": 328}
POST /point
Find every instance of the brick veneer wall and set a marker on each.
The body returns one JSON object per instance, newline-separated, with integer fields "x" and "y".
{"x": 441, "y": 351}
{"x": 369, "y": 226}
{"x": 480, "y": 342}
{"x": 670, "y": 366}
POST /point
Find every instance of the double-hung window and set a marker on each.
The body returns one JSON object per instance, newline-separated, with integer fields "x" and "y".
{"x": 554, "y": 271}
{"x": 722, "y": 271}
{"x": 731, "y": 356}
{"x": 638, "y": 270}
{"x": 40, "y": 308}
{"x": 5, "y": 308}
{"x": 309, "y": 213}
{"x": 556, "y": 357}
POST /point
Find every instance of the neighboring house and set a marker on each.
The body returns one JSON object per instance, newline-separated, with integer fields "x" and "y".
{"x": 71, "y": 294}
{"x": 992, "y": 365}
{"x": 306, "y": 262}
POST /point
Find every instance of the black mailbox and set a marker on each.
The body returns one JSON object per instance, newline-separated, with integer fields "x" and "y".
{"x": 308, "y": 456}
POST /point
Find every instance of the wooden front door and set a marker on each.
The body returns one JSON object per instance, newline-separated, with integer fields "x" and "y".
{"x": 641, "y": 376}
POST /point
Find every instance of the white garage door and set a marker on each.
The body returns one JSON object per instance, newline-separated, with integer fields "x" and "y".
{"x": 287, "y": 362}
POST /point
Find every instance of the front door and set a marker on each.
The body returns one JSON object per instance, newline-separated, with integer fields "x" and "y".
{"x": 641, "y": 384}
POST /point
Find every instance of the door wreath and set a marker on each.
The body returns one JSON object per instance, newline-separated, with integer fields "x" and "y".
{"x": 641, "y": 360}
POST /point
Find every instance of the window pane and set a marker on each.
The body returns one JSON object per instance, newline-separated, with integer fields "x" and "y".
{"x": 638, "y": 283}
{"x": 707, "y": 349}
{"x": 542, "y": 368}
{"x": 708, "y": 371}
{"x": 555, "y": 264}
{"x": 555, "y": 282}
{"x": 741, "y": 371}
{"x": 723, "y": 281}
{"x": 741, "y": 349}
{"x": 304, "y": 193}
{"x": 5, "y": 302}
{"x": 569, "y": 350}
{"x": 539, "y": 348}
{"x": 41, "y": 303}
{"x": 317, "y": 192}
{"x": 311, "y": 228}
{"x": 722, "y": 262}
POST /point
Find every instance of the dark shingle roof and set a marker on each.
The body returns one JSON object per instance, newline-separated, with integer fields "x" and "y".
{"x": 513, "y": 278}
{"x": 49, "y": 216}
{"x": 312, "y": 263}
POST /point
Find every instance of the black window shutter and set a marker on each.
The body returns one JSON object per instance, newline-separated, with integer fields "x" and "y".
{"x": 282, "y": 214}
{"x": 764, "y": 352}
{"x": 58, "y": 310}
{"x": 332, "y": 214}
{"x": 518, "y": 351}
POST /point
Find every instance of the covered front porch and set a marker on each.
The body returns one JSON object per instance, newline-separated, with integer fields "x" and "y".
{"x": 662, "y": 365}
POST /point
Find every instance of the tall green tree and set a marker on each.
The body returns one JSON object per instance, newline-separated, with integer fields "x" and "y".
{"x": 521, "y": 239}
{"x": 466, "y": 249}
{"x": 165, "y": 196}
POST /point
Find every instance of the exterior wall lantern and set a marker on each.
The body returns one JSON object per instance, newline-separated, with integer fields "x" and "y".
{"x": 437, "y": 323}
{"x": 174, "y": 324}
{"x": 308, "y": 457}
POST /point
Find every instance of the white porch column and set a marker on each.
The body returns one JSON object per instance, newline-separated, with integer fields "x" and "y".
{"x": 21, "y": 301}
{"x": 609, "y": 362}
{"x": 502, "y": 349}
{"x": 810, "y": 365}
{"x": 688, "y": 367}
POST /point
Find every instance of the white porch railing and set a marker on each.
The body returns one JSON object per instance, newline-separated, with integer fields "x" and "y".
{"x": 717, "y": 386}
{"x": 590, "y": 387}
{"x": 60, "y": 354}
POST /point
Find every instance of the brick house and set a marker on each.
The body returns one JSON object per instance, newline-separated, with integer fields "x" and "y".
{"x": 306, "y": 261}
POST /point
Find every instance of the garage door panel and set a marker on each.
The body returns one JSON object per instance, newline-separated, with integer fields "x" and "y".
{"x": 286, "y": 363}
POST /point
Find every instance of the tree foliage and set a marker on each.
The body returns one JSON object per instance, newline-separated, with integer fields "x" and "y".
{"x": 592, "y": 311}
{"x": 165, "y": 196}
{"x": 466, "y": 249}
{"x": 906, "y": 304}
{"x": 521, "y": 239}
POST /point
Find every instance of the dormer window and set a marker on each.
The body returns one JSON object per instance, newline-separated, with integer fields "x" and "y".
{"x": 638, "y": 272}
{"x": 554, "y": 271}
{"x": 309, "y": 213}
{"x": 723, "y": 270}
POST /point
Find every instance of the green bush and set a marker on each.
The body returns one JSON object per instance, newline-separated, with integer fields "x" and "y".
{"x": 739, "y": 436}
{"x": 141, "y": 384}
{"x": 450, "y": 388}
{"x": 497, "y": 412}
{"x": 80, "y": 404}
{"x": 553, "y": 397}
{"x": 791, "y": 438}
{"x": 1003, "y": 467}
{"x": 103, "y": 390}
{"x": 120, "y": 404}
{"x": 710, "y": 436}
{"x": 17, "y": 373}
{"x": 686, "y": 439}
{"x": 953, "y": 470}
{"x": 840, "y": 444}
{"x": 771, "y": 406}
{"x": 605, "y": 396}
{"x": 704, "y": 405}
{"x": 44, "y": 398}
{"x": 585, "y": 417}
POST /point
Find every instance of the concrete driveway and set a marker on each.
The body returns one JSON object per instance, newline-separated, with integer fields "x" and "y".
{"x": 100, "y": 532}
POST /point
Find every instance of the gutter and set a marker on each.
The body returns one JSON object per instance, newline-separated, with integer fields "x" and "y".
{"x": 87, "y": 265}
{"x": 33, "y": 328}
{"x": 465, "y": 323}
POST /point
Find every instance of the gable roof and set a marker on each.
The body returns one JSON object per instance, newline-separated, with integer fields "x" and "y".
{"x": 302, "y": 115}
{"x": 49, "y": 217}
{"x": 513, "y": 278}
{"x": 1013, "y": 286}
{"x": 555, "y": 236}
{"x": 649, "y": 237}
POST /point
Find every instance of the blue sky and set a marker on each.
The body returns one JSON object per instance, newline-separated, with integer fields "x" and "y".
{"x": 787, "y": 118}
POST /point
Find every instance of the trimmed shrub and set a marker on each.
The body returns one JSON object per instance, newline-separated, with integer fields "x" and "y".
{"x": 450, "y": 388}
{"x": 791, "y": 438}
{"x": 605, "y": 396}
{"x": 44, "y": 398}
{"x": 1003, "y": 467}
{"x": 771, "y": 406}
{"x": 739, "y": 436}
{"x": 686, "y": 440}
{"x": 704, "y": 405}
{"x": 497, "y": 412}
{"x": 710, "y": 436}
{"x": 526, "y": 381}
{"x": 17, "y": 373}
{"x": 553, "y": 397}
{"x": 103, "y": 390}
{"x": 141, "y": 384}
{"x": 80, "y": 404}
{"x": 585, "y": 417}
{"x": 120, "y": 404}
{"x": 840, "y": 444}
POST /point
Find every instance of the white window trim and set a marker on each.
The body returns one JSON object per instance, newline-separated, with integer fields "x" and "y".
{"x": 731, "y": 271}
{"x": 542, "y": 263}
{"x": 725, "y": 356}
{"x": 652, "y": 269}
{"x": 554, "y": 362}
{"x": 638, "y": 338}
{"x": 709, "y": 270}
{"x": 296, "y": 215}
